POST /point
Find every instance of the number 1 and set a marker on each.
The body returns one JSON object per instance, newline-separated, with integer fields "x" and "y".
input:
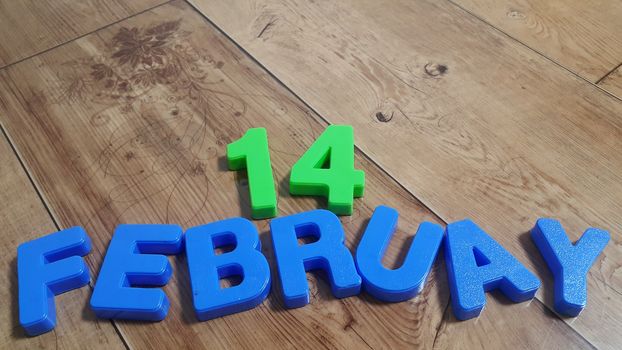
{"x": 251, "y": 152}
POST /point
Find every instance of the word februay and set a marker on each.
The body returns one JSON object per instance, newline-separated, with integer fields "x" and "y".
{"x": 136, "y": 259}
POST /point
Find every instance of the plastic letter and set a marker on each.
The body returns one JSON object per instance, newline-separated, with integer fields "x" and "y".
{"x": 476, "y": 263}
{"x": 406, "y": 281}
{"x": 133, "y": 258}
{"x": 327, "y": 253}
{"x": 569, "y": 263}
{"x": 206, "y": 268}
{"x": 46, "y": 267}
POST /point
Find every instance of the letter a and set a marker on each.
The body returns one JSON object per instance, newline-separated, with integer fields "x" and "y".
{"x": 476, "y": 263}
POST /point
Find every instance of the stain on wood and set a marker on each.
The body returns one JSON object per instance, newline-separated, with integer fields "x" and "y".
{"x": 32, "y": 26}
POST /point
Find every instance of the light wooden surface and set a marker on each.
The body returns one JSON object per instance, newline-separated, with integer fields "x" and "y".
{"x": 502, "y": 136}
{"x": 31, "y": 26}
{"x": 156, "y": 155}
{"x": 583, "y": 36}
{"x": 613, "y": 82}
{"x": 23, "y": 217}
{"x": 449, "y": 114}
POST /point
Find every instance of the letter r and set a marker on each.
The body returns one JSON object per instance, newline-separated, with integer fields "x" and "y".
{"x": 327, "y": 253}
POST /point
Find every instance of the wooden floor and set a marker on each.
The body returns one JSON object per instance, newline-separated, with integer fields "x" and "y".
{"x": 501, "y": 111}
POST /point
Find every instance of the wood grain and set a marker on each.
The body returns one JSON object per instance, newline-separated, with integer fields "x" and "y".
{"x": 32, "y": 26}
{"x": 582, "y": 36}
{"x": 115, "y": 144}
{"x": 502, "y": 136}
{"x": 613, "y": 82}
{"x": 488, "y": 331}
{"x": 23, "y": 217}
{"x": 154, "y": 153}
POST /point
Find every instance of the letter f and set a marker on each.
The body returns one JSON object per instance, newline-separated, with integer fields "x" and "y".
{"x": 46, "y": 267}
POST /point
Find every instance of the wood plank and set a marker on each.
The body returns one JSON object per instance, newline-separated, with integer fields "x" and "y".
{"x": 23, "y": 217}
{"x": 613, "y": 82}
{"x": 158, "y": 158}
{"x": 156, "y": 154}
{"x": 32, "y": 26}
{"x": 582, "y": 36}
{"x": 484, "y": 332}
{"x": 502, "y": 136}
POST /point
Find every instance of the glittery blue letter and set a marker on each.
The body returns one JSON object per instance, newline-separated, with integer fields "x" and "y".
{"x": 569, "y": 263}
{"x": 476, "y": 263}
{"x": 48, "y": 266}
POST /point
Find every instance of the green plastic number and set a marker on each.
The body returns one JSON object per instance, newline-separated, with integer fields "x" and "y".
{"x": 327, "y": 169}
{"x": 251, "y": 152}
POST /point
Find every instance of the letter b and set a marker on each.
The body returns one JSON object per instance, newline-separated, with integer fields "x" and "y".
{"x": 206, "y": 268}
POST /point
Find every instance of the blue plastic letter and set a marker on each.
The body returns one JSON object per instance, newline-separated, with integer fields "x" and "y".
{"x": 46, "y": 267}
{"x": 476, "y": 263}
{"x": 133, "y": 259}
{"x": 407, "y": 281}
{"x": 327, "y": 253}
{"x": 206, "y": 268}
{"x": 569, "y": 263}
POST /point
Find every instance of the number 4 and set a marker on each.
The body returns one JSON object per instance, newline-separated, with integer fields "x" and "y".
{"x": 327, "y": 169}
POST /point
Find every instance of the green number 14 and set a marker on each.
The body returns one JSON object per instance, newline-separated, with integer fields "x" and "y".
{"x": 326, "y": 169}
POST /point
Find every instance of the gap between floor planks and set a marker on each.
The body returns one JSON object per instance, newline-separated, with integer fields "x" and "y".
{"x": 550, "y": 59}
